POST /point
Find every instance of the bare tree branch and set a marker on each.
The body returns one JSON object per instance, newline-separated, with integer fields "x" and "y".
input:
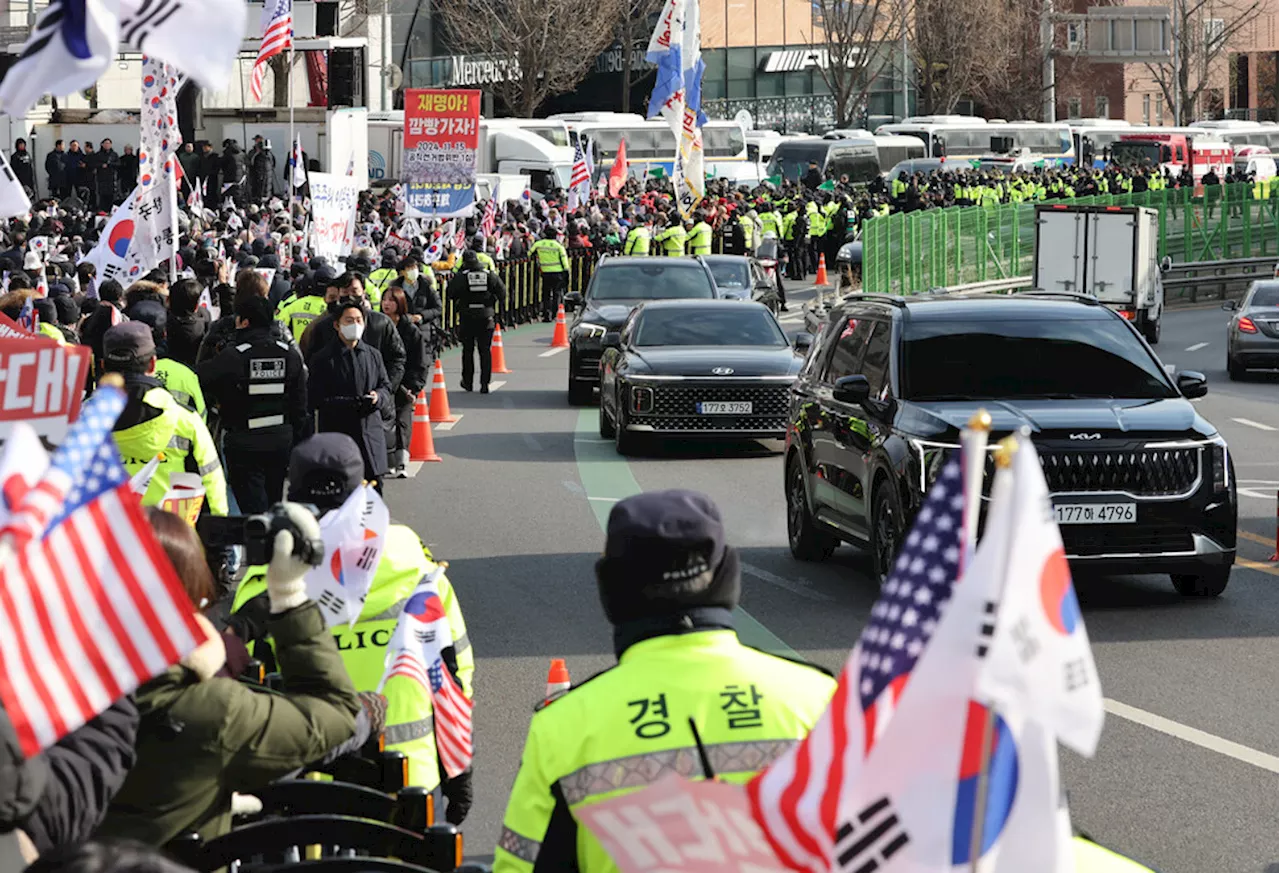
{"x": 1198, "y": 46}
{"x": 952, "y": 41}
{"x": 635, "y": 24}
{"x": 546, "y": 46}
{"x": 858, "y": 36}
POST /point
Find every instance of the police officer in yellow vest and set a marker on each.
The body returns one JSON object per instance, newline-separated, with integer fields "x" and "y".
{"x": 699, "y": 239}
{"x": 672, "y": 237}
{"x": 176, "y": 377}
{"x": 640, "y": 237}
{"x": 154, "y": 424}
{"x": 553, "y": 264}
{"x": 668, "y": 583}
{"x": 297, "y": 314}
{"x": 323, "y": 471}
{"x": 380, "y": 279}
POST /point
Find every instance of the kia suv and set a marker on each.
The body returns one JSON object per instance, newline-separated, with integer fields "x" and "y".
{"x": 1140, "y": 482}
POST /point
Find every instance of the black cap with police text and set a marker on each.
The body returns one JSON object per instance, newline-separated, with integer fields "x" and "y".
{"x": 325, "y": 469}
{"x": 665, "y": 553}
{"x": 128, "y": 343}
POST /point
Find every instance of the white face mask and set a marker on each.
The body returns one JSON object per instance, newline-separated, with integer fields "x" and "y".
{"x": 351, "y": 332}
{"x": 411, "y": 275}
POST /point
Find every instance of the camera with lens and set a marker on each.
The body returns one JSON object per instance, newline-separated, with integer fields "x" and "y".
{"x": 257, "y": 534}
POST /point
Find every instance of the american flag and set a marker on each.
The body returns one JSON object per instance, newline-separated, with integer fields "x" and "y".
{"x": 277, "y": 35}
{"x": 414, "y": 652}
{"x": 93, "y": 609}
{"x": 580, "y": 176}
{"x": 489, "y": 221}
{"x": 28, "y": 318}
{"x": 797, "y": 799}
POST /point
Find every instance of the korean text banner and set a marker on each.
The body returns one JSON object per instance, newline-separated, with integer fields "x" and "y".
{"x": 441, "y": 136}
{"x": 41, "y": 383}
{"x": 333, "y": 214}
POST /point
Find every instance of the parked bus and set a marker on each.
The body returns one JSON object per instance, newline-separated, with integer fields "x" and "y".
{"x": 971, "y": 138}
{"x": 652, "y": 145}
{"x": 1245, "y": 133}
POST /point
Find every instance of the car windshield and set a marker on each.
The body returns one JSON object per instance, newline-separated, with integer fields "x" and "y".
{"x": 731, "y": 274}
{"x": 651, "y": 281}
{"x": 1026, "y": 359}
{"x": 1267, "y": 294}
{"x": 734, "y": 325}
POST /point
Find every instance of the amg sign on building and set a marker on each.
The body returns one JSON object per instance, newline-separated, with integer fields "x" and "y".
{"x": 795, "y": 60}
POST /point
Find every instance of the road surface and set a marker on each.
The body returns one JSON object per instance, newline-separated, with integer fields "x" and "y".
{"x": 1185, "y": 778}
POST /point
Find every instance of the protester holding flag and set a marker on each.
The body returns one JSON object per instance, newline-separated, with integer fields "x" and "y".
{"x": 325, "y": 471}
{"x": 668, "y": 582}
{"x": 208, "y": 736}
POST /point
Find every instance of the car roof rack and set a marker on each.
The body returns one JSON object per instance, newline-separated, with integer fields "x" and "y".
{"x": 1065, "y": 295}
{"x": 870, "y": 297}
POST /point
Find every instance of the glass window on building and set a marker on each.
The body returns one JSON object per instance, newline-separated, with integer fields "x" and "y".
{"x": 1146, "y": 108}
{"x": 741, "y": 73}
{"x": 771, "y": 85}
{"x": 1073, "y": 107}
{"x": 799, "y": 84}
{"x": 1160, "y": 110}
{"x": 1101, "y": 107}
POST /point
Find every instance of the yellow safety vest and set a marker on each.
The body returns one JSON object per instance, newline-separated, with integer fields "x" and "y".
{"x": 180, "y": 381}
{"x": 629, "y": 727}
{"x": 1092, "y": 858}
{"x": 485, "y": 261}
{"x": 378, "y": 282}
{"x": 699, "y": 239}
{"x": 298, "y": 315}
{"x": 551, "y": 255}
{"x": 183, "y": 440}
{"x": 52, "y": 332}
{"x": 409, "y": 726}
{"x": 672, "y": 240}
{"x": 748, "y": 231}
{"x": 638, "y": 241}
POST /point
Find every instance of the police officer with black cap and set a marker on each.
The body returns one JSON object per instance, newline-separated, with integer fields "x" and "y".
{"x": 260, "y": 386}
{"x": 668, "y": 582}
{"x": 478, "y": 293}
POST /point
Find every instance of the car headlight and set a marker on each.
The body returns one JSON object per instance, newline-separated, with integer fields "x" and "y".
{"x": 587, "y": 330}
{"x": 1218, "y": 462}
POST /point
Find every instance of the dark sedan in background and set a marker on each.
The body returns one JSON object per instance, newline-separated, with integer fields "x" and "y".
{"x": 1253, "y": 342}
{"x": 619, "y": 285}
{"x": 696, "y": 369}
{"x": 740, "y": 277}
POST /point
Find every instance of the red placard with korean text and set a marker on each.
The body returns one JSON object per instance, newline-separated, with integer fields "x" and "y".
{"x": 441, "y": 136}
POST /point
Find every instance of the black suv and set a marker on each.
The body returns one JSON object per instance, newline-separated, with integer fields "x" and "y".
{"x": 1140, "y": 482}
{"x": 619, "y": 285}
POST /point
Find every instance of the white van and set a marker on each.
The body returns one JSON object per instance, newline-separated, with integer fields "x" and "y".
{"x": 1256, "y": 160}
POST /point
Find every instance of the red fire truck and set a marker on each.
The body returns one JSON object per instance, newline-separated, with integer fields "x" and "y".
{"x": 1174, "y": 150}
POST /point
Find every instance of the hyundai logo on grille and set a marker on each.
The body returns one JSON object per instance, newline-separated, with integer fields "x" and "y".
{"x": 1085, "y": 436}
{"x": 722, "y": 371}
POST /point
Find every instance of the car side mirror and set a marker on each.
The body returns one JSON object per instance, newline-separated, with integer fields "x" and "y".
{"x": 612, "y": 340}
{"x": 1166, "y": 264}
{"x": 572, "y": 301}
{"x": 1230, "y": 305}
{"x": 851, "y": 389}
{"x": 1192, "y": 384}
{"x": 802, "y": 342}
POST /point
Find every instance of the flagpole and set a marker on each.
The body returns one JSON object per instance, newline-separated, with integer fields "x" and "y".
{"x": 288, "y": 75}
{"x": 1003, "y": 460}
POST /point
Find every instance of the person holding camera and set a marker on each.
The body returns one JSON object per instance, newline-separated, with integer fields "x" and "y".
{"x": 154, "y": 424}
{"x": 324, "y": 471}
{"x": 203, "y": 736}
{"x": 348, "y": 387}
{"x": 259, "y": 384}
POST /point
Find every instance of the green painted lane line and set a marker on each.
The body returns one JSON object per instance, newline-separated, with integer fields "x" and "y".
{"x": 607, "y": 478}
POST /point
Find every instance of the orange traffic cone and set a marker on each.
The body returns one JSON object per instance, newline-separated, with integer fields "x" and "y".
{"x": 557, "y": 679}
{"x": 440, "y": 397}
{"x": 496, "y": 353}
{"x": 822, "y": 269}
{"x": 560, "y": 339}
{"x": 421, "y": 446}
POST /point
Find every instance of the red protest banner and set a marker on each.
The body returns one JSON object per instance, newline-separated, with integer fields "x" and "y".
{"x": 441, "y": 138}
{"x": 41, "y": 383}
{"x": 9, "y": 327}
{"x": 678, "y": 826}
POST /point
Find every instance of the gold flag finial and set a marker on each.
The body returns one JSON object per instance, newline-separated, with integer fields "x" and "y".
{"x": 111, "y": 380}
{"x": 981, "y": 420}
{"x": 1005, "y": 450}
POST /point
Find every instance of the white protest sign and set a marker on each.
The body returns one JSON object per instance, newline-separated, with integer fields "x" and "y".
{"x": 333, "y": 214}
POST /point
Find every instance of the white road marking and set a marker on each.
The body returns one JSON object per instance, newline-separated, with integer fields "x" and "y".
{"x": 1197, "y": 347}
{"x": 799, "y": 587}
{"x": 532, "y": 442}
{"x": 1250, "y": 423}
{"x": 552, "y": 352}
{"x": 606, "y": 499}
{"x": 448, "y": 425}
{"x": 1261, "y": 760}
{"x": 411, "y": 469}
{"x": 591, "y": 440}
{"x": 494, "y": 386}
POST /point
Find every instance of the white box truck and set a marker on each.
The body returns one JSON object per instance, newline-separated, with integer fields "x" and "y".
{"x": 1107, "y": 252}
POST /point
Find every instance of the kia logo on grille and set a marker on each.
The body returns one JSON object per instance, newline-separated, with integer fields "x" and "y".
{"x": 722, "y": 371}
{"x": 1086, "y": 436}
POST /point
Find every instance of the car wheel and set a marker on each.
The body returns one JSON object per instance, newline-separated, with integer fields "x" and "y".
{"x": 1211, "y": 582}
{"x": 579, "y": 393}
{"x": 886, "y": 530}
{"x": 606, "y": 424}
{"x": 807, "y": 542}
{"x": 623, "y": 440}
{"x": 1235, "y": 372}
{"x": 1152, "y": 331}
